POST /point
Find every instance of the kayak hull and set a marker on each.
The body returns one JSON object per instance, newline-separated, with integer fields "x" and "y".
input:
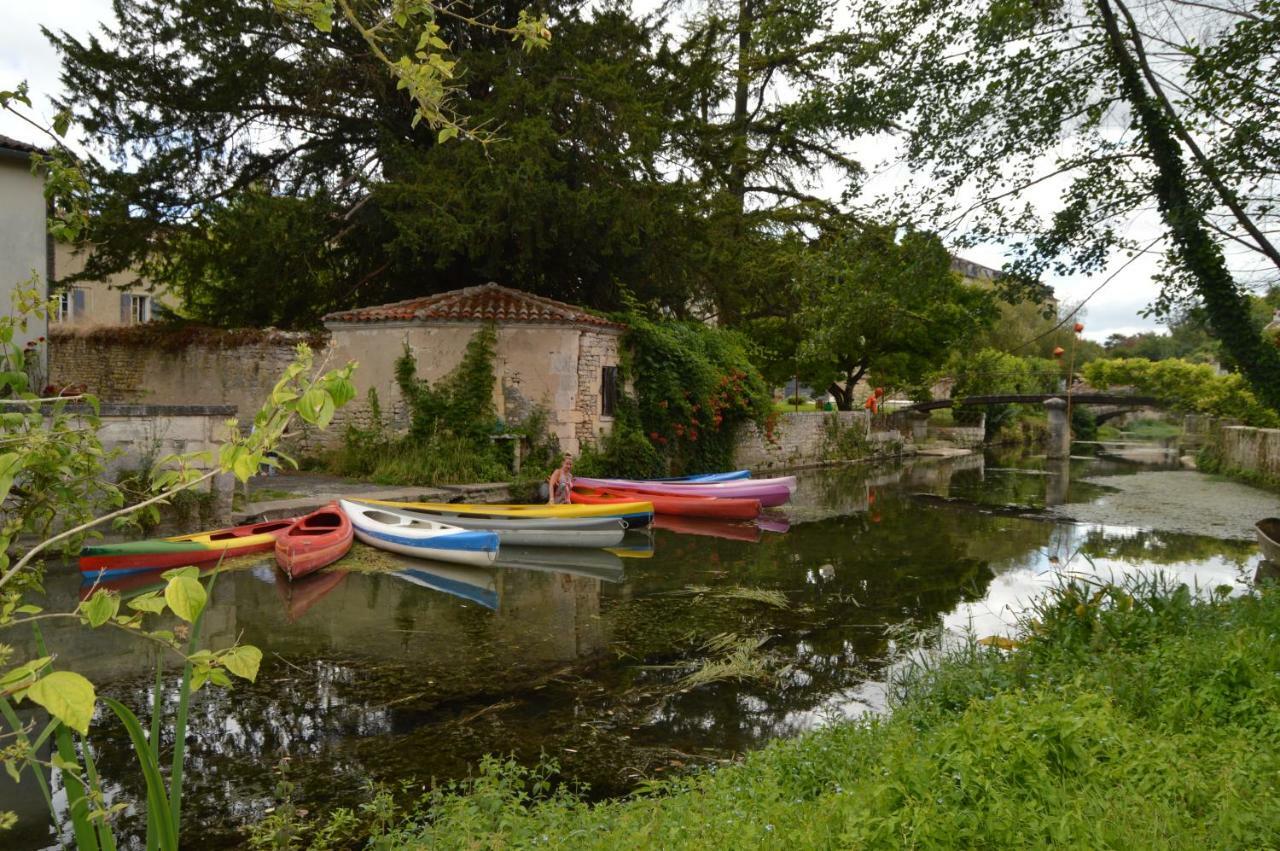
{"x": 681, "y": 506}
{"x": 112, "y": 560}
{"x": 770, "y": 492}
{"x": 636, "y": 513}
{"x": 592, "y": 532}
{"x": 314, "y": 541}
{"x": 419, "y": 536}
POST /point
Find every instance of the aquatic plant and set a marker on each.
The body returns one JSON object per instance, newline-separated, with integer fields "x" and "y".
{"x": 1132, "y": 714}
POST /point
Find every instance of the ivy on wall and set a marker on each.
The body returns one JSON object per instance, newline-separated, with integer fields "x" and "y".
{"x": 695, "y": 385}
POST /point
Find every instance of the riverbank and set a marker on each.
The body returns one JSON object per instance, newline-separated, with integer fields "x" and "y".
{"x": 1123, "y": 717}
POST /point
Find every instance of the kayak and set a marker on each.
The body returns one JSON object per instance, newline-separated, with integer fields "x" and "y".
{"x": 686, "y": 506}
{"x": 314, "y": 541}
{"x": 420, "y": 536}
{"x": 636, "y": 513}
{"x": 541, "y": 531}
{"x": 705, "y": 478}
{"x": 106, "y": 560}
{"x": 769, "y": 492}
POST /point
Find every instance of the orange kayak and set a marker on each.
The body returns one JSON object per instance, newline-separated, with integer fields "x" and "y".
{"x": 314, "y": 541}
{"x": 683, "y": 506}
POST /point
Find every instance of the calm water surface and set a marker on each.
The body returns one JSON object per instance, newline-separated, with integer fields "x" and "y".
{"x": 404, "y": 669}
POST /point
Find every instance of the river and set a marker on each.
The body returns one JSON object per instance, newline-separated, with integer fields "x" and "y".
{"x": 613, "y": 663}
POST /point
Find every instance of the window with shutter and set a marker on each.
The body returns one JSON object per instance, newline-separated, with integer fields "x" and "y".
{"x": 608, "y": 390}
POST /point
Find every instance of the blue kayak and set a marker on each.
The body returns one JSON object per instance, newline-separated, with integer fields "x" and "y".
{"x": 707, "y": 478}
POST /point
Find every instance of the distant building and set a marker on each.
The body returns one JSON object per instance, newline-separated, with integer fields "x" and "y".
{"x": 26, "y": 249}
{"x": 117, "y": 300}
{"x": 548, "y": 353}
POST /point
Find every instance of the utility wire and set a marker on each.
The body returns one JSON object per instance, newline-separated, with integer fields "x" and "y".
{"x": 1096, "y": 290}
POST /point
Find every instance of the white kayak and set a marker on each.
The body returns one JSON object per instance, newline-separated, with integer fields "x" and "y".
{"x": 418, "y": 535}
{"x": 591, "y": 532}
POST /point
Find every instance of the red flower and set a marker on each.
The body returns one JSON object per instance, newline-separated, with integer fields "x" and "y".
{"x": 653, "y": 435}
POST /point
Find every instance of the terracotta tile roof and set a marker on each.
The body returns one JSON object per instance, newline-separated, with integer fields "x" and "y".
{"x": 487, "y": 302}
{"x": 8, "y": 143}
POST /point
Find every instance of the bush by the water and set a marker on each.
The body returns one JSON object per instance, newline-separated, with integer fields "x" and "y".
{"x": 1185, "y": 386}
{"x": 991, "y": 372}
{"x": 1123, "y": 716}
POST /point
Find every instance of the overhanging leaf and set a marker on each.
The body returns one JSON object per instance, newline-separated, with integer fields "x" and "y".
{"x": 67, "y": 696}
{"x": 186, "y": 596}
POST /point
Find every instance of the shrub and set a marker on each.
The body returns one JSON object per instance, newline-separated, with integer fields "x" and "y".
{"x": 990, "y": 372}
{"x": 695, "y": 385}
{"x": 1193, "y": 387}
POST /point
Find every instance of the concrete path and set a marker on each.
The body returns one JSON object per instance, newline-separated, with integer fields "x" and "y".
{"x": 315, "y": 490}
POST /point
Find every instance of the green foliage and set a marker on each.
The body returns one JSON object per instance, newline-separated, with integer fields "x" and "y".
{"x": 872, "y": 302}
{"x": 695, "y": 385}
{"x": 626, "y": 453}
{"x": 1186, "y": 387}
{"x": 1121, "y": 716}
{"x": 450, "y": 425}
{"x": 989, "y": 372}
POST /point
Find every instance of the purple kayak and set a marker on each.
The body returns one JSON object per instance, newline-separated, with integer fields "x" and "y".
{"x": 770, "y": 492}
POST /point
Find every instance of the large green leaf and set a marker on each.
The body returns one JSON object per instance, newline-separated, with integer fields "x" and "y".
{"x": 243, "y": 661}
{"x": 186, "y": 596}
{"x": 100, "y": 608}
{"x": 67, "y": 696}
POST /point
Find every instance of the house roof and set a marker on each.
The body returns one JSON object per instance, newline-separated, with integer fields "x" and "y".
{"x": 13, "y": 145}
{"x": 485, "y": 303}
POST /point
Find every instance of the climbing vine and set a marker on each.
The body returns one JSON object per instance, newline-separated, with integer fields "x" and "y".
{"x": 695, "y": 385}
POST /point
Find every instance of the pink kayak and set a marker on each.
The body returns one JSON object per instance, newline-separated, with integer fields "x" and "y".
{"x": 770, "y": 492}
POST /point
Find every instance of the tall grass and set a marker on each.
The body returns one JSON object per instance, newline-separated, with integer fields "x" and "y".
{"x": 1129, "y": 716}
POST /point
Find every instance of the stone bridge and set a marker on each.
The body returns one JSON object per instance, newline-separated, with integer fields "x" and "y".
{"x": 1113, "y": 405}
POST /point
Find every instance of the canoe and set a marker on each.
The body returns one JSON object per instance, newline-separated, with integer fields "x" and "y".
{"x": 106, "y": 560}
{"x": 474, "y": 584}
{"x": 419, "y": 535}
{"x": 636, "y": 513}
{"x": 1268, "y": 531}
{"x": 301, "y": 594}
{"x": 594, "y": 564}
{"x": 685, "y": 506}
{"x": 770, "y": 492}
{"x": 314, "y": 541}
{"x": 705, "y": 478}
{"x": 709, "y": 527}
{"x": 541, "y": 531}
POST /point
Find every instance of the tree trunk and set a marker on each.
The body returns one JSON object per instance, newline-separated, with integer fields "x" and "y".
{"x": 1199, "y": 255}
{"x": 844, "y": 393}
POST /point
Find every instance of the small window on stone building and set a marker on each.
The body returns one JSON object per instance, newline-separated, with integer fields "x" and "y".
{"x": 608, "y": 390}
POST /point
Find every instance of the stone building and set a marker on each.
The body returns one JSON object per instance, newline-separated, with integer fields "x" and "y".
{"x": 548, "y": 353}
{"x": 25, "y": 247}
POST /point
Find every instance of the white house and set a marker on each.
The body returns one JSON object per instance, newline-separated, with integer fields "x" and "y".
{"x": 26, "y": 249}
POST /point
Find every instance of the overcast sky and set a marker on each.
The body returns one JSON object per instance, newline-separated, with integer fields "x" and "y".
{"x": 25, "y": 55}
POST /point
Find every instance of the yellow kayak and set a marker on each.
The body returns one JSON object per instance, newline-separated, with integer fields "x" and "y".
{"x": 638, "y": 513}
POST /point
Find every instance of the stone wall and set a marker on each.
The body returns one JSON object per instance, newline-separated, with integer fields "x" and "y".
{"x": 556, "y": 367}
{"x": 1250, "y": 450}
{"x": 219, "y": 368}
{"x": 136, "y": 436}
{"x": 805, "y": 437}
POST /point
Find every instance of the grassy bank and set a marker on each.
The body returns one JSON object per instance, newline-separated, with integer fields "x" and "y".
{"x": 1124, "y": 718}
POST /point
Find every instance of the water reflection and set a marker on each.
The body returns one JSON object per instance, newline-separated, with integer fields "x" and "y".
{"x": 417, "y": 669}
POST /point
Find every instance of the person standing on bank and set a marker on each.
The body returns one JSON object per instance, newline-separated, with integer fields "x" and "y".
{"x": 561, "y": 482}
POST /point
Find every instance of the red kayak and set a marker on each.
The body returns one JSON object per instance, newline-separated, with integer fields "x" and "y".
{"x": 684, "y": 506}
{"x": 103, "y": 561}
{"x": 300, "y": 595}
{"x": 314, "y": 541}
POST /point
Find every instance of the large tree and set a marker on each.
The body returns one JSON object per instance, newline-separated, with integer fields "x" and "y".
{"x": 874, "y": 303}
{"x": 272, "y": 171}
{"x": 1163, "y": 107}
{"x": 761, "y": 136}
